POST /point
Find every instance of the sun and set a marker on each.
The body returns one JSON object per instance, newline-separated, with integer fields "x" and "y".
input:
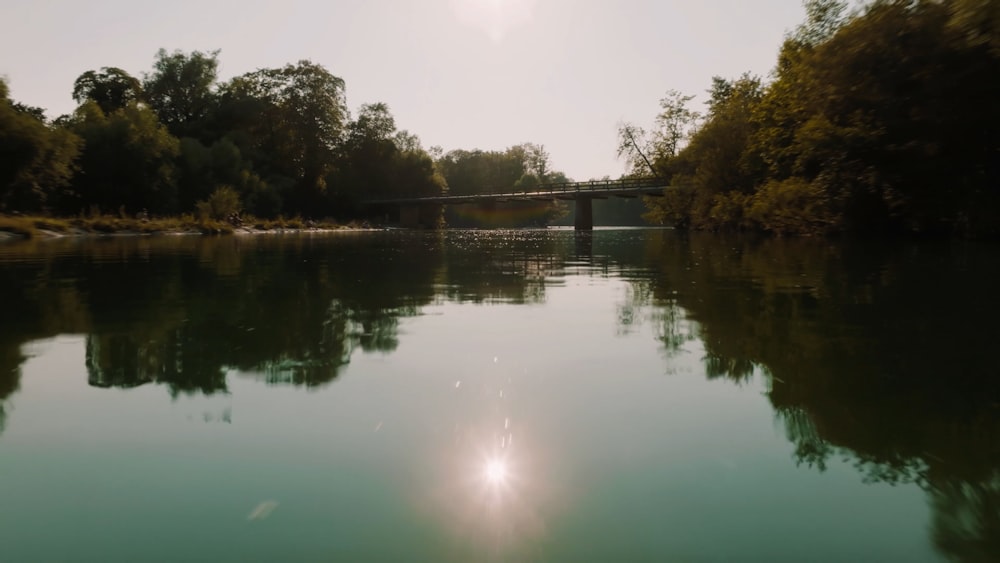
{"x": 496, "y": 471}
{"x": 495, "y": 17}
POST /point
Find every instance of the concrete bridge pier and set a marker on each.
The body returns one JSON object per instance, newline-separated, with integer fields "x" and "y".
{"x": 584, "y": 213}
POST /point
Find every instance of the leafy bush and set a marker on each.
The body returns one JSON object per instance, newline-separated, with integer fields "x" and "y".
{"x": 792, "y": 206}
{"x": 223, "y": 202}
{"x": 729, "y": 209}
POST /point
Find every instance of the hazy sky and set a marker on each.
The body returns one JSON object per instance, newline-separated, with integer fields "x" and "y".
{"x": 459, "y": 73}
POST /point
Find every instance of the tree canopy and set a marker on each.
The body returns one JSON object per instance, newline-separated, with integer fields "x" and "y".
{"x": 37, "y": 161}
{"x": 281, "y": 139}
{"x": 876, "y": 120}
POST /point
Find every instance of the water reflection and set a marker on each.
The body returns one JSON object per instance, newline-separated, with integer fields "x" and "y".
{"x": 182, "y": 311}
{"x": 875, "y": 353}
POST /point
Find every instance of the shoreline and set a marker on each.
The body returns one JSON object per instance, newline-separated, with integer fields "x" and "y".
{"x": 21, "y": 228}
{"x": 42, "y": 234}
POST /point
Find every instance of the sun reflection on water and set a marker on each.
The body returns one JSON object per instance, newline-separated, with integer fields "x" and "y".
{"x": 491, "y": 496}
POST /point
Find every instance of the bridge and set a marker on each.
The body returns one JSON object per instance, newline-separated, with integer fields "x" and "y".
{"x": 583, "y": 193}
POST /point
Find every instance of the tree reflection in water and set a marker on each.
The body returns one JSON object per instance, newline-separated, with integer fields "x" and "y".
{"x": 878, "y": 353}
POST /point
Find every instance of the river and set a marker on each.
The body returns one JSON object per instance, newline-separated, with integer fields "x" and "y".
{"x": 541, "y": 395}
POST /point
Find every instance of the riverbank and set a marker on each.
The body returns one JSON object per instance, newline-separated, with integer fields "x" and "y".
{"x": 22, "y": 227}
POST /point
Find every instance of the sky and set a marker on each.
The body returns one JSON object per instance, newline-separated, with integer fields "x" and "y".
{"x": 460, "y": 74}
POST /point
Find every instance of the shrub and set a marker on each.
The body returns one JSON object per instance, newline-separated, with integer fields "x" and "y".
{"x": 223, "y": 202}
{"x": 728, "y": 210}
{"x": 792, "y": 206}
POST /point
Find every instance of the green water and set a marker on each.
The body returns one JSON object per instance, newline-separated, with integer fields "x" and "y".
{"x": 625, "y": 395}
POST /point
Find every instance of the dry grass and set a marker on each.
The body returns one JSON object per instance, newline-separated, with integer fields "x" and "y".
{"x": 31, "y": 227}
{"x": 23, "y": 226}
{"x": 115, "y": 224}
{"x": 291, "y": 223}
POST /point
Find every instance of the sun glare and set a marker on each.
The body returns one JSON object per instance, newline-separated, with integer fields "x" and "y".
{"x": 496, "y": 471}
{"x": 495, "y": 17}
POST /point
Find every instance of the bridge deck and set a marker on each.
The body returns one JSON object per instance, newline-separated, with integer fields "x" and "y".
{"x": 629, "y": 187}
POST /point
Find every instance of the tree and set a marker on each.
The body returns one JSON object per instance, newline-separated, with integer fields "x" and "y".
{"x": 180, "y": 90}
{"x": 201, "y": 169}
{"x": 128, "y": 160}
{"x": 294, "y": 118}
{"x": 111, "y": 88}
{"x": 647, "y": 152}
{"x": 36, "y": 112}
{"x": 673, "y": 125}
{"x": 537, "y": 161}
{"x": 478, "y": 171}
{"x": 876, "y": 120}
{"x": 977, "y": 21}
{"x": 36, "y": 160}
{"x": 823, "y": 19}
{"x": 374, "y": 124}
{"x": 885, "y": 116}
{"x": 377, "y": 161}
{"x": 406, "y": 141}
{"x": 367, "y": 158}
{"x": 634, "y": 146}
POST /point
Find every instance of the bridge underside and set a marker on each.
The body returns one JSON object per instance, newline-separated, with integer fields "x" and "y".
{"x": 584, "y": 214}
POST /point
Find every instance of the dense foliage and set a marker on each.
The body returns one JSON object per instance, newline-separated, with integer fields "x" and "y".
{"x": 269, "y": 142}
{"x": 880, "y": 120}
{"x": 275, "y": 141}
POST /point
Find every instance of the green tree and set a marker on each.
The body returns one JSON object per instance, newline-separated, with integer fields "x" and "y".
{"x": 537, "y": 161}
{"x": 36, "y": 160}
{"x": 876, "y": 120}
{"x": 128, "y": 160}
{"x": 181, "y": 90}
{"x": 646, "y": 152}
{"x": 380, "y": 162}
{"x": 111, "y": 88}
{"x": 201, "y": 169}
{"x": 635, "y": 147}
{"x": 674, "y": 124}
{"x": 478, "y": 171}
{"x": 223, "y": 203}
{"x": 885, "y": 115}
{"x": 293, "y": 120}
{"x": 714, "y": 173}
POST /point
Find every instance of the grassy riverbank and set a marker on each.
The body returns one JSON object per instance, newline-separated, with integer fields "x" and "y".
{"x": 36, "y": 226}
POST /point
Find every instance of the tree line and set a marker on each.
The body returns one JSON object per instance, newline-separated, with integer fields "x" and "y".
{"x": 268, "y": 142}
{"x": 877, "y": 120}
{"x": 271, "y": 141}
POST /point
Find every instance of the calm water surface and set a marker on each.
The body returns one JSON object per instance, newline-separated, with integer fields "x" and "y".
{"x": 508, "y": 395}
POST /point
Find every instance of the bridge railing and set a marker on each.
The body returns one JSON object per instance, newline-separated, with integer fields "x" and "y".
{"x": 542, "y": 190}
{"x": 576, "y": 187}
{"x": 603, "y": 185}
